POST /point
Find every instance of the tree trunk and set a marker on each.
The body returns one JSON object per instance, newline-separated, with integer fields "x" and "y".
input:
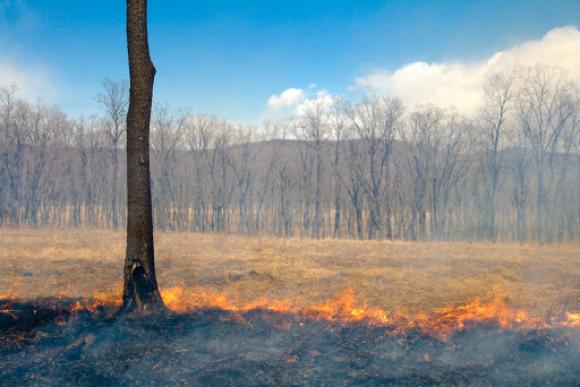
{"x": 140, "y": 292}
{"x": 540, "y": 207}
{"x": 114, "y": 211}
{"x": 359, "y": 222}
{"x": 318, "y": 194}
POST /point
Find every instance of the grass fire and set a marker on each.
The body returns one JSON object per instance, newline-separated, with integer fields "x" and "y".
{"x": 289, "y": 193}
{"x": 289, "y": 311}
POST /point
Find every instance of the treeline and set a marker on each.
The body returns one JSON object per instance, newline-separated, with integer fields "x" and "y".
{"x": 368, "y": 170}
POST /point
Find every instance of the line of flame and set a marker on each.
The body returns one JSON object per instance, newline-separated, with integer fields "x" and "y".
{"x": 343, "y": 307}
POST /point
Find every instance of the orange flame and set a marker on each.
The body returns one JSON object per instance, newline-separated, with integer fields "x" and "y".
{"x": 343, "y": 308}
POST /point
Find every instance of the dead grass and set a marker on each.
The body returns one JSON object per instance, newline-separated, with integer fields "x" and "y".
{"x": 408, "y": 276}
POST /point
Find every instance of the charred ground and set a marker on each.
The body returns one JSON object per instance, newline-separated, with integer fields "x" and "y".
{"x": 50, "y": 342}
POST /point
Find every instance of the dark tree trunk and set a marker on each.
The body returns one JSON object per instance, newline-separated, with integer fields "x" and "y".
{"x": 140, "y": 291}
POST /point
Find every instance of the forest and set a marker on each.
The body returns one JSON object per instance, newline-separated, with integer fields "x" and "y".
{"x": 418, "y": 225}
{"x": 372, "y": 169}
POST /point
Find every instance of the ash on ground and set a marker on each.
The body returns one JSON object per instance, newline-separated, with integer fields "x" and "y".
{"x": 50, "y": 345}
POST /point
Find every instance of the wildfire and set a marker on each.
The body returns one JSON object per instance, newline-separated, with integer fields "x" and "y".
{"x": 343, "y": 308}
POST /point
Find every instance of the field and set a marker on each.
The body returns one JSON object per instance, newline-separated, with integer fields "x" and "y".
{"x": 411, "y": 277}
{"x": 235, "y": 326}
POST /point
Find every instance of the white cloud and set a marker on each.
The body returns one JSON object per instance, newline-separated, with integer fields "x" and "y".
{"x": 287, "y": 99}
{"x": 460, "y": 84}
{"x": 296, "y": 102}
{"x": 322, "y": 99}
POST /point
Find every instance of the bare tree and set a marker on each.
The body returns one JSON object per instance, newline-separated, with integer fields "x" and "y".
{"x": 376, "y": 122}
{"x": 560, "y": 165}
{"x": 314, "y": 128}
{"x": 353, "y": 180}
{"x": 307, "y": 161}
{"x": 520, "y": 189}
{"x": 114, "y": 102}
{"x": 140, "y": 290}
{"x": 15, "y": 115}
{"x": 545, "y": 109}
{"x": 338, "y": 122}
{"x": 419, "y": 138}
{"x": 221, "y": 172}
{"x": 199, "y": 136}
{"x": 79, "y": 135}
{"x": 44, "y": 127}
{"x": 276, "y": 166}
{"x": 498, "y": 96}
{"x": 242, "y": 162}
{"x": 166, "y": 136}
{"x": 447, "y": 168}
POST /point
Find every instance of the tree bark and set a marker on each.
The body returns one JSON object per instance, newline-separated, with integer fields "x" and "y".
{"x": 140, "y": 292}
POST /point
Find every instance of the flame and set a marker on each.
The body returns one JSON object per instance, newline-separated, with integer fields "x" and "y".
{"x": 98, "y": 300}
{"x": 342, "y": 308}
{"x": 573, "y": 319}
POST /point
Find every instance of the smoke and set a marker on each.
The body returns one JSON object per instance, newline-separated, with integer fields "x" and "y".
{"x": 211, "y": 347}
{"x": 32, "y": 81}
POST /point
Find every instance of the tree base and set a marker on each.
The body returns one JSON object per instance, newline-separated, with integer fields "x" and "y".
{"x": 139, "y": 305}
{"x": 141, "y": 294}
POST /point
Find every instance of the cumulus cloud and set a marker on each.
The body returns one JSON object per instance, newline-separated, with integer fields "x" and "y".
{"x": 322, "y": 99}
{"x": 296, "y": 102}
{"x": 460, "y": 84}
{"x": 286, "y": 99}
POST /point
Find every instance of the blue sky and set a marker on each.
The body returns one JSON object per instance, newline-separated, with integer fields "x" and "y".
{"x": 228, "y": 57}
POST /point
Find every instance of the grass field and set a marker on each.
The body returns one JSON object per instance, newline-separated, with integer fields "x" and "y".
{"x": 407, "y": 276}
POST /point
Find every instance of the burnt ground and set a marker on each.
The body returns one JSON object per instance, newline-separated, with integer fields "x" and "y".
{"x": 44, "y": 343}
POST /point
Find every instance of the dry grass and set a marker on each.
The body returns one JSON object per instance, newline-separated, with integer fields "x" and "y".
{"x": 408, "y": 276}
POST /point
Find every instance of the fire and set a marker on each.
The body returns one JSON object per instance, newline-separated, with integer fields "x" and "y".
{"x": 340, "y": 308}
{"x": 98, "y": 300}
{"x": 343, "y": 308}
{"x": 573, "y": 319}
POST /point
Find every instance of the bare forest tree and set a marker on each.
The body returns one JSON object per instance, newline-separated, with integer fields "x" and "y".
{"x": 546, "y": 111}
{"x": 498, "y": 101}
{"x": 338, "y": 125}
{"x": 313, "y": 132}
{"x": 376, "y": 123}
{"x": 114, "y": 100}
{"x": 166, "y": 135}
{"x": 366, "y": 170}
